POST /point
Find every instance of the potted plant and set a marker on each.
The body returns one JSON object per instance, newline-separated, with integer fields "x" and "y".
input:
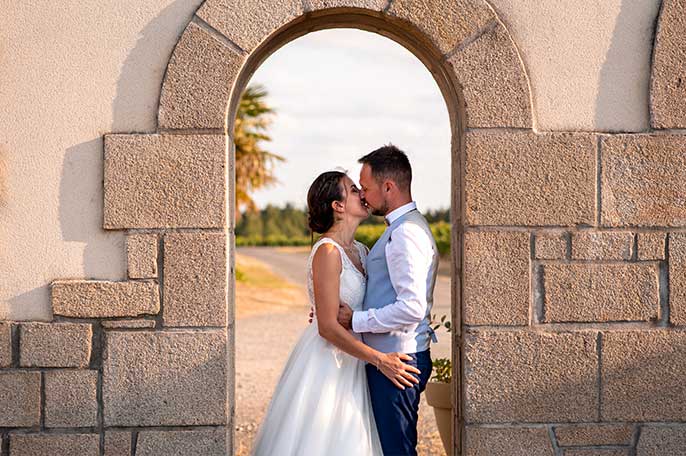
{"x": 439, "y": 392}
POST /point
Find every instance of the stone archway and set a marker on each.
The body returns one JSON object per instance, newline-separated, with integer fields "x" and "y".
{"x": 569, "y": 255}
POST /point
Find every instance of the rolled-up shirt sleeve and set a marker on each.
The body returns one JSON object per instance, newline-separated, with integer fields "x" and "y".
{"x": 409, "y": 255}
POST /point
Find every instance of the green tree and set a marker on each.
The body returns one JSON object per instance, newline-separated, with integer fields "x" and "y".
{"x": 254, "y": 164}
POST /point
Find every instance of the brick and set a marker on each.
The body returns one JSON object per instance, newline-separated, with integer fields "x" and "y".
{"x": 551, "y": 246}
{"x": 141, "y": 252}
{"x": 602, "y": 245}
{"x": 510, "y": 441}
{"x": 642, "y": 375}
{"x": 594, "y": 434}
{"x": 651, "y": 245}
{"x": 195, "y": 283}
{"x": 54, "y": 444}
{"x": 104, "y": 299}
{"x": 247, "y": 23}
{"x": 677, "y": 278}
{"x": 54, "y": 344}
{"x": 70, "y": 398}
{"x": 495, "y": 87}
{"x": 658, "y": 440}
{"x": 643, "y": 180}
{"x": 210, "y": 442}
{"x": 446, "y": 23}
{"x": 19, "y": 399}
{"x": 517, "y": 376}
{"x": 117, "y": 443}
{"x": 667, "y": 87}
{"x": 496, "y": 278}
{"x": 128, "y": 324}
{"x": 160, "y": 378}
{"x": 198, "y": 81}
{"x": 5, "y": 344}
{"x": 165, "y": 181}
{"x": 600, "y": 292}
{"x": 525, "y": 178}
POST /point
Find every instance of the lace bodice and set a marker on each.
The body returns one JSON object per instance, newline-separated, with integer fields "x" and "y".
{"x": 353, "y": 282}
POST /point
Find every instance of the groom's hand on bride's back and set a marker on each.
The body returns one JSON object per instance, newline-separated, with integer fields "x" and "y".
{"x": 345, "y": 316}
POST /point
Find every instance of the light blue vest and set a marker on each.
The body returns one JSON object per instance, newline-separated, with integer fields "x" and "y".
{"x": 380, "y": 292}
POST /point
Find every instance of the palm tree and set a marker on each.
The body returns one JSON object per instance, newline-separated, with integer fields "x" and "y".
{"x": 254, "y": 165}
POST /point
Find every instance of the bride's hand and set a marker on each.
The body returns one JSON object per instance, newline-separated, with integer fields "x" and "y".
{"x": 393, "y": 367}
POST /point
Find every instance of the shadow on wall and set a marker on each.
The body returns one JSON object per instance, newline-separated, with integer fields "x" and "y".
{"x": 624, "y": 79}
{"x": 135, "y": 104}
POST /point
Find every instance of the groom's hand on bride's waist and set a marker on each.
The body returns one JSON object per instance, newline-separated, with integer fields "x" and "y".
{"x": 345, "y": 316}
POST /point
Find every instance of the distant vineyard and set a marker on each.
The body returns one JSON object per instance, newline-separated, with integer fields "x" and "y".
{"x": 367, "y": 234}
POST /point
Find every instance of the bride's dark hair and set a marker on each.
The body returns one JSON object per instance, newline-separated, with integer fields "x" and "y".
{"x": 325, "y": 189}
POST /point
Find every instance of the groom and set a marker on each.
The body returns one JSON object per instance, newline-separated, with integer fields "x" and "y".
{"x": 401, "y": 269}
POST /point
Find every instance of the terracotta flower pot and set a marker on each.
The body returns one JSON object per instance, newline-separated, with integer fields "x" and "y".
{"x": 438, "y": 396}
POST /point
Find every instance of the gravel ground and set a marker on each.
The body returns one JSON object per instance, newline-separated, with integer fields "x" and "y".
{"x": 264, "y": 342}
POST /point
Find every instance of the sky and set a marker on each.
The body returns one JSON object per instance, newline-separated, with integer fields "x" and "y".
{"x": 341, "y": 93}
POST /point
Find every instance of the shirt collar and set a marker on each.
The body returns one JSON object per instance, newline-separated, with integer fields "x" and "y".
{"x": 400, "y": 211}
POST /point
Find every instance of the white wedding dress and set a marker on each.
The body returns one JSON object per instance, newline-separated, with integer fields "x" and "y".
{"x": 321, "y": 405}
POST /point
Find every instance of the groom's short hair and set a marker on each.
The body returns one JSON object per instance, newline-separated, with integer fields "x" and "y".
{"x": 389, "y": 162}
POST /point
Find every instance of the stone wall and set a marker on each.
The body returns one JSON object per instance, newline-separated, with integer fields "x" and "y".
{"x": 570, "y": 252}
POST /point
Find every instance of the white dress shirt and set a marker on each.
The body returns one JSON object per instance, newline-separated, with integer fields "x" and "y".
{"x": 409, "y": 256}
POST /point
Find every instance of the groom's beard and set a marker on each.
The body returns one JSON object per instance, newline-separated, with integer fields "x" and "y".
{"x": 380, "y": 211}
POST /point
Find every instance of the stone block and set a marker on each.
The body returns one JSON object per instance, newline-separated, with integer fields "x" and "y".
{"x": 651, "y": 245}
{"x": 165, "y": 181}
{"x": 596, "y": 452}
{"x": 643, "y": 180}
{"x": 523, "y": 178}
{"x": 104, "y": 299}
{"x": 117, "y": 443}
{"x": 602, "y": 245}
{"x": 128, "y": 324}
{"x": 316, "y": 5}
{"x": 198, "y": 81}
{"x": 141, "y": 253}
{"x": 551, "y": 246}
{"x": 207, "y": 442}
{"x": 54, "y": 444}
{"x": 586, "y": 292}
{"x": 594, "y": 434}
{"x": 677, "y": 278}
{"x": 160, "y": 378}
{"x": 495, "y": 86}
{"x": 5, "y": 344}
{"x": 496, "y": 277}
{"x": 70, "y": 398}
{"x": 195, "y": 282}
{"x": 509, "y": 441}
{"x": 19, "y": 399}
{"x": 659, "y": 440}
{"x": 446, "y": 23}
{"x": 55, "y": 344}
{"x": 247, "y": 23}
{"x": 667, "y": 87}
{"x": 530, "y": 377}
{"x": 643, "y": 375}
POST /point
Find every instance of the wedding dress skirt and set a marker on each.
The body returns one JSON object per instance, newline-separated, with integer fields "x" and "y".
{"x": 321, "y": 405}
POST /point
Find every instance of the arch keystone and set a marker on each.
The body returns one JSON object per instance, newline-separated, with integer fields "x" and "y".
{"x": 447, "y": 23}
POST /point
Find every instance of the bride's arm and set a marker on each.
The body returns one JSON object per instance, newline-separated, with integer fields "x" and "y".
{"x": 326, "y": 272}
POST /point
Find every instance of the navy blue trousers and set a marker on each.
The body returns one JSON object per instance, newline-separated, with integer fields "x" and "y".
{"x": 395, "y": 410}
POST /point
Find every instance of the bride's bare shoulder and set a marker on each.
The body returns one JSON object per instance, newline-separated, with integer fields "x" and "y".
{"x": 326, "y": 259}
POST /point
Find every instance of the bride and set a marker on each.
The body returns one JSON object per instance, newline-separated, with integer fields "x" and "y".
{"x": 321, "y": 405}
